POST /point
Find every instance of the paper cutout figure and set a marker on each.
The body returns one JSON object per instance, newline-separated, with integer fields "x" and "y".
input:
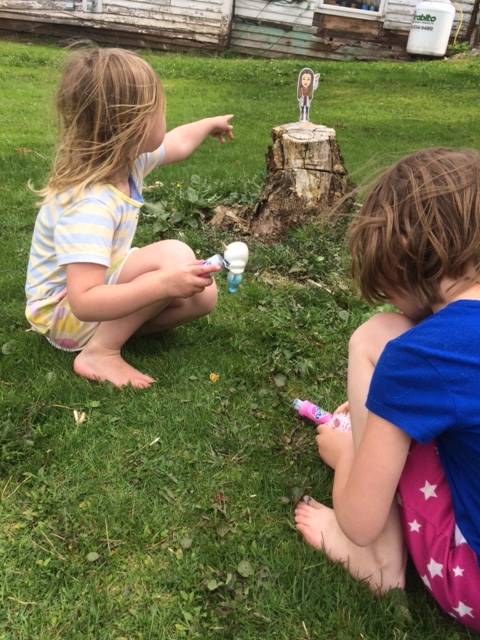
{"x": 306, "y": 85}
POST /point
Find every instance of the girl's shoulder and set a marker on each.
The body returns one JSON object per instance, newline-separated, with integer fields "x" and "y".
{"x": 100, "y": 195}
{"x": 445, "y": 340}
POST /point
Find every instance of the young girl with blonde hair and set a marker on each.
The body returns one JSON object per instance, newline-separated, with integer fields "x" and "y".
{"x": 413, "y": 390}
{"x": 87, "y": 289}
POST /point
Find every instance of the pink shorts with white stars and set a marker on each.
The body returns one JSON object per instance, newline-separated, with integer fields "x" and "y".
{"x": 442, "y": 557}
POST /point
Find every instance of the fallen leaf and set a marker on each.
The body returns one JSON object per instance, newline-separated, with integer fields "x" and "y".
{"x": 9, "y": 347}
{"x": 186, "y": 543}
{"x": 212, "y": 584}
{"x": 280, "y": 380}
{"x": 245, "y": 569}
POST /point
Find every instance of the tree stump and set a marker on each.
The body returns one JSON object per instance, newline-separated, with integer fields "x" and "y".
{"x": 305, "y": 179}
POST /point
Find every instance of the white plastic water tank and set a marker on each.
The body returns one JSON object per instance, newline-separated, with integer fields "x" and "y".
{"x": 431, "y": 27}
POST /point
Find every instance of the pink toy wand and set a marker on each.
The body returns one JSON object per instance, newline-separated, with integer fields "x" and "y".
{"x": 310, "y": 411}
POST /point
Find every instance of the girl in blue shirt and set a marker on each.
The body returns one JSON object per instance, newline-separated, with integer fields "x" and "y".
{"x": 406, "y": 476}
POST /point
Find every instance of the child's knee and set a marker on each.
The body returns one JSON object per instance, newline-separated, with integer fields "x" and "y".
{"x": 208, "y": 300}
{"x": 174, "y": 250}
{"x": 373, "y": 335}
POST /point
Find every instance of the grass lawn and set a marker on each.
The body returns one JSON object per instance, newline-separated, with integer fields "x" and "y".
{"x": 168, "y": 513}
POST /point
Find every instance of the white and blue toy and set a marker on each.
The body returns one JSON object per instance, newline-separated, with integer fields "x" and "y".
{"x": 234, "y": 259}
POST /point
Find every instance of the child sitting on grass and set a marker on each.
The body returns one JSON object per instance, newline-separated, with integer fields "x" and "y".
{"x": 87, "y": 289}
{"x": 413, "y": 390}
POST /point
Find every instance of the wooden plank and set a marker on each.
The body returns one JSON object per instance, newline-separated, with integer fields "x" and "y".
{"x": 357, "y": 44}
{"x": 154, "y": 4}
{"x": 250, "y": 52}
{"x": 111, "y": 6}
{"x": 247, "y": 37}
{"x": 272, "y": 33}
{"x": 353, "y": 29}
{"x": 215, "y": 6}
{"x": 395, "y": 42}
{"x": 275, "y": 6}
{"x": 104, "y": 19}
{"x": 345, "y": 52}
{"x": 25, "y": 5}
{"x": 159, "y": 19}
{"x": 106, "y": 22}
{"x": 147, "y": 9}
{"x": 112, "y": 36}
{"x": 334, "y": 24}
{"x": 138, "y": 13}
{"x": 277, "y": 12}
{"x": 286, "y": 44}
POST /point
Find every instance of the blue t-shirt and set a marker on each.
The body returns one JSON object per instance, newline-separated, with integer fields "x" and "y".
{"x": 427, "y": 383}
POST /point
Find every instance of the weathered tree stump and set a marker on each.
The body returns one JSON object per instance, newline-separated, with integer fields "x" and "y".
{"x": 305, "y": 179}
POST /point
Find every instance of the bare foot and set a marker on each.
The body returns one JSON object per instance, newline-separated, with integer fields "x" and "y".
{"x": 318, "y": 525}
{"x": 107, "y": 366}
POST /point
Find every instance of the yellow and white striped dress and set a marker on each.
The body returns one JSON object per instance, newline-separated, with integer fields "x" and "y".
{"x": 98, "y": 227}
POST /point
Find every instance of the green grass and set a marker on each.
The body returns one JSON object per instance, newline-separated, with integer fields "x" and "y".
{"x": 179, "y": 491}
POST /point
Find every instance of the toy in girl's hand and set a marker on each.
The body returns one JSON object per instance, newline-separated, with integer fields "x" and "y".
{"x": 310, "y": 411}
{"x": 234, "y": 259}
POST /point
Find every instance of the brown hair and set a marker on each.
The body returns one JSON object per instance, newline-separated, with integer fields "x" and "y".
{"x": 105, "y": 101}
{"x": 301, "y": 90}
{"x": 419, "y": 224}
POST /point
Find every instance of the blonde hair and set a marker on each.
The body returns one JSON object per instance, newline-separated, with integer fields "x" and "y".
{"x": 419, "y": 224}
{"x": 105, "y": 101}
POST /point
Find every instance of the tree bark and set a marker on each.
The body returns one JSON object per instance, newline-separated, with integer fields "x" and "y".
{"x": 305, "y": 179}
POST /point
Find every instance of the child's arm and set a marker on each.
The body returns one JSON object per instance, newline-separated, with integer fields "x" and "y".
{"x": 366, "y": 480}
{"x": 93, "y": 301}
{"x": 181, "y": 142}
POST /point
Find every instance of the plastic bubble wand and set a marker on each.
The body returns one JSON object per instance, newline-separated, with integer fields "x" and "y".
{"x": 234, "y": 259}
{"x": 310, "y": 411}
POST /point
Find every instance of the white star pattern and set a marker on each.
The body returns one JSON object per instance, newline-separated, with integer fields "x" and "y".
{"x": 435, "y": 568}
{"x": 463, "y": 610}
{"x": 415, "y": 526}
{"x": 457, "y": 571}
{"x": 427, "y": 581}
{"x": 428, "y": 490}
{"x": 459, "y": 539}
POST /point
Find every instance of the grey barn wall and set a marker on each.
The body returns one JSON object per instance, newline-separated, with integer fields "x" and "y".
{"x": 167, "y": 24}
{"x": 277, "y": 28}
